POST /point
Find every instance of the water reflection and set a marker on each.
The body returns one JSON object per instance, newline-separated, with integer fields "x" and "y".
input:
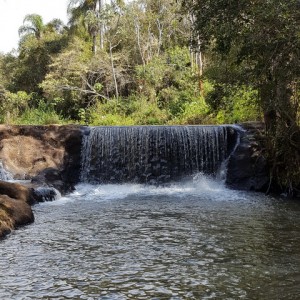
{"x": 152, "y": 243}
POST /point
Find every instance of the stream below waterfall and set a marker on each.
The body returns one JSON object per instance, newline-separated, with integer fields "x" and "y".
{"x": 190, "y": 240}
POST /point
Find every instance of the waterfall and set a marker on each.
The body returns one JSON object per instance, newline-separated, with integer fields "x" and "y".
{"x": 153, "y": 154}
{"x": 4, "y": 175}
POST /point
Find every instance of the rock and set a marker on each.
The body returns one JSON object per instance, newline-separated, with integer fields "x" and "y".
{"x": 17, "y": 191}
{"x": 53, "y": 178}
{"x": 19, "y": 212}
{"x": 49, "y": 155}
{"x": 25, "y": 151}
{"x": 247, "y": 167}
{"x": 15, "y": 209}
{"x": 44, "y": 194}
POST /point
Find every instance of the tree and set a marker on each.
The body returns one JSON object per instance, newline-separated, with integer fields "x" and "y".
{"x": 32, "y": 25}
{"x": 262, "y": 38}
{"x": 90, "y": 13}
{"x": 84, "y": 13}
{"x": 38, "y": 42}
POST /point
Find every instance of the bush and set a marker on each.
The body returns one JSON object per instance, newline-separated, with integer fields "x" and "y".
{"x": 109, "y": 113}
{"x": 150, "y": 114}
{"x": 233, "y": 105}
{"x": 12, "y": 104}
{"x": 42, "y": 115}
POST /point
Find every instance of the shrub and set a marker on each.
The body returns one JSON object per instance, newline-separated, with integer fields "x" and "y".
{"x": 42, "y": 115}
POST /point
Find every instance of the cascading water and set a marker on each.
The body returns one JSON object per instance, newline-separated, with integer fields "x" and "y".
{"x": 154, "y": 154}
{"x": 4, "y": 175}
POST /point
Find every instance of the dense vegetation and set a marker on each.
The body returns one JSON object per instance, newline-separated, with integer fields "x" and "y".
{"x": 259, "y": 44}
{"x": 162, "y": 62}
{"x": 117, "y": 63}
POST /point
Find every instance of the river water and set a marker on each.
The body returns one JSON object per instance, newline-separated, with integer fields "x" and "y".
{"x": 191, "y": 240}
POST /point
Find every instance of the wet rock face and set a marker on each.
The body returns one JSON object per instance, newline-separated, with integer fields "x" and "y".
{"x": 53, "y": 178}
{"x": 247, "y": 166}
{"x": 25, "y": 151}
{"x": 154, "y": 154}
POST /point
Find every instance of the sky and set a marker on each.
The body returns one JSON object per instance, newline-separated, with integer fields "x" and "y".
{"x": 12, "y": 13}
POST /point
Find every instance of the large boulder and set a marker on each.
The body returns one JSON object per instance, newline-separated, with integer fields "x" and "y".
{"x": 19, "y": 212}
{"x": 17, "y": 191}
{"x": 25, "y": 151}
{"x": 15, "y": 210}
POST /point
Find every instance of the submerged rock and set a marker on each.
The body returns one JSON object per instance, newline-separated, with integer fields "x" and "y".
{"x": 44, "y": 194}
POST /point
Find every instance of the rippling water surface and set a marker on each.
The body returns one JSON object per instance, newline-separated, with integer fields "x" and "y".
{"x": 194, "y": 240}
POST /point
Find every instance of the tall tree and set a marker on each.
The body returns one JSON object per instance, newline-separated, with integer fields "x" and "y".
{"x": 84, "y": 13}
{"x": 262, "y": 38}
{"x": 32, "y": 25}
{"x": 38, "y": 42}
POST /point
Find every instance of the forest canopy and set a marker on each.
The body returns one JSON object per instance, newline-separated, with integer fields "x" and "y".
{"x": 118, "y": 62}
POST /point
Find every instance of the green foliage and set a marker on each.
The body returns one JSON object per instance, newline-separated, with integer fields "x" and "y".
{"x": 169, "y": 81}
{"x": 62, "y": 84}
{"x": 110, "y": 113}
{"x": 12, "y": 105}
{"x": 150, "y": 114}
{"x": 256, "y": 45}
{"x": 233, "y": 105}
{"x": 141, "y": 73}
{"x": 42, "y": 115}
{"x": 196, "y": 113}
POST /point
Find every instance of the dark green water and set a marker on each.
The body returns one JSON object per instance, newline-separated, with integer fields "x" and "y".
{"x": 196, "y": 240}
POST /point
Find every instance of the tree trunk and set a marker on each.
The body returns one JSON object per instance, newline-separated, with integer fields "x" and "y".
{"x": 160, "y": 34}
{"x": 138, "y": 37}
{"x": 113, "y": 70}
{"x": 101, "y": 30}
{"x": 94, "y": 46}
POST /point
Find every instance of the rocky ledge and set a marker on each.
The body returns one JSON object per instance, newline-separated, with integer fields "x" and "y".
{"x": 47, "y": 156}
{"x": 247, "y": 167}
{"x": 46, "y": 153}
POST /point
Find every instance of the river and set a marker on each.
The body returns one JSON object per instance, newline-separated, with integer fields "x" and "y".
{"x": 190, "y": 240}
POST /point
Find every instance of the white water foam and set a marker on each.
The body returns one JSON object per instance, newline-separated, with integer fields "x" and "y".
{"x": 200, "y": 186}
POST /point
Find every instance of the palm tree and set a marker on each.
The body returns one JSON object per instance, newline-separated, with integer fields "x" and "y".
{"x": 32, "y": 25}
{"x": 88, "y": 12}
